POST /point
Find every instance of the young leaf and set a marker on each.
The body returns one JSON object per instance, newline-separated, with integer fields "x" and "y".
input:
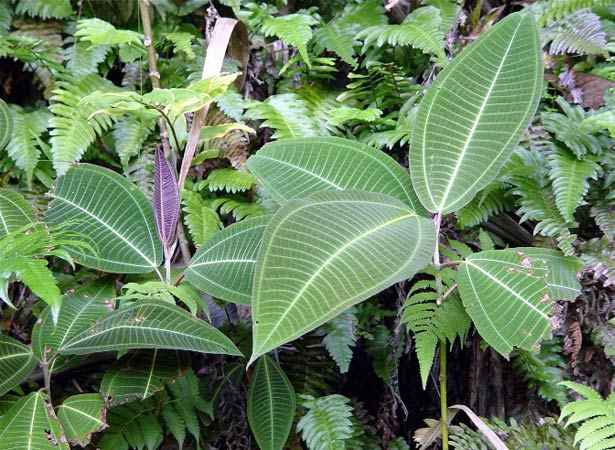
{"x": 271, "y": 405}
{"x": 80, "y": 416}
{"x": 518, "y": 316}
{"x": 15, "y": 212}
{"x": 141, "y": 374}
{"x": 325, "y": 253}
{"x": 296, "y": 168}
{"x": 224, "y": 266}
{"x": 113, "y": 212}
{"x": 31, "y": 424}
{"x": 166, "y": 198}
{"x": 149, "y": 324}
{"x": 474, "y": 113}
{"x": 16, "y": 363}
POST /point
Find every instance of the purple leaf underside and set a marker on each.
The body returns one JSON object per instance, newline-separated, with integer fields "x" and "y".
{"x": 166, "y": 198}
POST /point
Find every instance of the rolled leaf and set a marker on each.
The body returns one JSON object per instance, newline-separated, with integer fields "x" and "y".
{"x": 271, "y": 405}
{"x": 323, "y": 254}
{"x": 80, "y": 416}
{"x": 166, "y": 198}
{"x": 474, "y": 113}
{"x": 505, "y": 294}
{"x": 224, "y": 265}
{"x": 16, "y": 363}
{"x": 15, "y": 212}
{"x": 297, "y": 168}
{"x": 149, "y": 324}
{"x": 114, "y": 213}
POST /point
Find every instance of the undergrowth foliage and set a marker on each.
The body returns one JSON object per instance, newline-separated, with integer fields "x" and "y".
{"x": 258, "y": 225}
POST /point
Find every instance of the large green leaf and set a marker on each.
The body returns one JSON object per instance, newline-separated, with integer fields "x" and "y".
{"x": 79, "y": 310}
{"x": 296, "y": 168}
{"x": 29, "y": 425}
{"x": 505, "y": 294}
{"x": 141, "y": 374}
{"x": 325, "y": 253}
{"x": 149, "y": 324}
{"x": 6, "y": 124}
{"x": 16, "y": 363}
{"x": 224, "y": 265}
{"x": 15, "y": 212}
{"x": 80, "y": 416}
{"x": 271, "y": 405}
{"x": 114, "y": 213}
{"x": 474, "y": 113}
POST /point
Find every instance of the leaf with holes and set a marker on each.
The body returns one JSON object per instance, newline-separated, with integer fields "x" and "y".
{"x": 166, "y": 198}
{"x": 114, "y": 213}
{"x": 141, "y": 374}
{"x": 31, "y": 424}
{"x": 224, "y": 266}
{"x": 271, "y": 405}
{"x": 325, "y": 253}
{"x": 15, "y": 212}
{"x": 149, "y": 324}
{"x": 505, "y": 294}
{"x": 474, "y": 113}
{"x": 16, "y": 363}
{"x": 80, "y": 416}
{"x": 296, "y": 168}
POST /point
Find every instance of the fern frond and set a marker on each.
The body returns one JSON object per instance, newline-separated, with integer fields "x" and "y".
{"x": 201, "y": 220}
{"x": 491, "y": 201}
{"x": 239, "y": 208}
{"x": 597, "y": 416}
{"x": 421, "y": 29}
{"x": 604, "y": 216}
{"x": 182, "y": 42}
{"x": 165, "y": 292}
{"x": 345, "y": 114}
{"x": 580, "y": 33}
{"x": 100, "y": 33}
{"x": 449, "y": 10}
{"x": 6, "y": 16}
{"x": 129, "y": 135}
{"x": 23, "y": 148}
{"x": 132, "y": 425}
{"x": 71, "y": 132}
{"x": 546, "y": 11}
{"x": 432, "y": 323}
{"x": 341, "y": 338}
{"x": 229, "y": 180}
{"x": 327, "y": 423}
{"x": 83, "y": 59}
{"x": 599, "y": 255}
{"x": 570, "y": 180}
{"x": 294, "y": 29}
{"x": 288, "y": 114}
{"x": 141, "y": 170}
{"x": 45, "y": 9}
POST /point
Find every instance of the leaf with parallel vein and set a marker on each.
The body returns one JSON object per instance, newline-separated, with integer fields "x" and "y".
{"x": 325, "y": 253}
{"x": 15, "y": 212}
{"x": 224, "y": 265}
{"x": 474, "y": 113}
{"x": 114, "y": 213}
{"x": 80, "y": 416}
{"x": 505, "y": 294}
{"x": 16, "y": 363}
{"x": 297, "y": 168}
{"x": 149, "y": 324}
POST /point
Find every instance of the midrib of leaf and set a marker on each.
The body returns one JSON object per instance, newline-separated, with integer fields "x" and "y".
{"x": 474, "y": 125}
{"x": 150, "y": 374}
{"x": 14, "y": 355}
{"x": 502, "y": 285}
{"x": 2, "y": 215}
{"x": 269, "y": 398}
{"x": 315, "y": 175}
{"x": 222, "y": 261}
{"x": 84, "y": 414}
{"x": 106, "y": 225}
{"x": 31, "y": 434}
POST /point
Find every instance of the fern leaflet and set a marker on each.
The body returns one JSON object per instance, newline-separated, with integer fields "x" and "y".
{"x": 202, "y": 221}
{"x": 327, "y": 423}
{"x": 341, "y": 338}
{"x": 580, "y": 33}
{"x": 294, "y": 29}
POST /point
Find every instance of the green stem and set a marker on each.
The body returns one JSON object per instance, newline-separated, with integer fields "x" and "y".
{"x": 443, "y": 399}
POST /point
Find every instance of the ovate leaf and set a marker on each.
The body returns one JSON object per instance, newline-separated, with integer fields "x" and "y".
{"x": 325, "y": 253}
{"x": 16, "y": 363}
{"x": 224, "y": 266}
{"x": 114, "y": 213}
{"x": 474, "y": 113}
{"x": 15, "y": 212}
{"x": 271, "y": 405}
{"x": 80, "y": 416}
{"x": 518, "y": 315}
{"x": 166, "y": 198}
{"x": 29, "y": 424}
{"x": 149, "y": 324}
{"x": 296, "y": 168}
{"x": 141, "y": 374}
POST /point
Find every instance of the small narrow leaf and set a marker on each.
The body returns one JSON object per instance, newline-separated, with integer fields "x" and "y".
{"x": 166, "y": 198}
{"x": 325, "y": 253}
{"x": 518, "y": 316}
{"x": 271, "y": 405}
{"x": 80, "y": 416}
{"x": 224, "y": 266}
{"x": 16, "y": 363}
{"x": 150, "y": 324}
{"x": 15, "y": 212}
